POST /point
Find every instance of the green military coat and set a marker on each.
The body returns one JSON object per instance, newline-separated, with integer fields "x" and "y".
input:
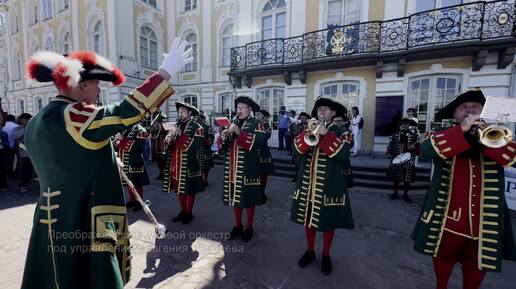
{"x": 266, "y": 164}
{"x": 495, "y": 237}
{"x": 242, "y": 166}
{"x": 320, "y": 199}
{"x": 182, "y": 165}
{"x": 130, "y": 151}
{"x": 206, "y": 156}
{"x": 79, "y": 234}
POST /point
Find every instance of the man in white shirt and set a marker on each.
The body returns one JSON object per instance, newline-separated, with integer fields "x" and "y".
{"x": 9, "y": 128}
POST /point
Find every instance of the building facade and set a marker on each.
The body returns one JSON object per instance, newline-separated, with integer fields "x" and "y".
{"x": 382, "y": 56}
{"x": 131, "y": 34}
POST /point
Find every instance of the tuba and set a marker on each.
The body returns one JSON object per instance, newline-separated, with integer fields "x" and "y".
{"x": 312, "y": 136}
{"x": 495, "y": 135}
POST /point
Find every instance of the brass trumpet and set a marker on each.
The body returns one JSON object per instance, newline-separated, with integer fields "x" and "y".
{"x": 495, "y": 135}
{"x": 312, "y": 136}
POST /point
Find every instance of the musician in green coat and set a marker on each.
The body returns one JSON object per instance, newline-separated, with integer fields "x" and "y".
{"x": 182, "y": 166}
{"x": 240, "y": 144}
{"x": 320, "y": 200}
{"x": 130, "y": 151}
{"x": 465, "y": 218}
{"x": 205, "y": 154}
{"x": 403, "y": 141}
{"x": 266, "y": 164}
{"x": 79, "y": 234}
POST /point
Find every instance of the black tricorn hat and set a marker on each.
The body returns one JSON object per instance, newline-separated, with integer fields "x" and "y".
{"x": 265, "y": 113}
{"x": 340, "y": 110}
{"x": 474, "y": 95}
{"x": 304, "y": 114}
{"x": 249, "y": 101}
{"x": 190, "y": 107}
{"x": 322, "y": 101}
{"x": 410, "y": 121}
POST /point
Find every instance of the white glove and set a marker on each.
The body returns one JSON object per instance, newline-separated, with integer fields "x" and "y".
{"x": 177, "y": 57}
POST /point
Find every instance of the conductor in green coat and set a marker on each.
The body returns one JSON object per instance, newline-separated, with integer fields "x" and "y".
{"x": 79, "y": 234}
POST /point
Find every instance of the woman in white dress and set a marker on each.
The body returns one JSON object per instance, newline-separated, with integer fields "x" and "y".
{"x": 356, "y": 130}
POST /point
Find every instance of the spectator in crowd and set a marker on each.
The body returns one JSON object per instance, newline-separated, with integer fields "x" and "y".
{"x": 4, "y": 144}
{"x": 283, "y": 124}
{"x": 357, "y": 123}
{"x": 26, "y": 165}
{"x": 11, "y": 147}
{"x": 288, "y": 140}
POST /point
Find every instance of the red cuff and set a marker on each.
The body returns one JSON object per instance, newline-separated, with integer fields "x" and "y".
{"x": 449, "y": 142}
{"x": 245, "y": 140}
{"x": 184, "y": 141}
{"x": 330, "y": 144}
{"x": 301, "y": 146}
{"x": 504, "y": 156}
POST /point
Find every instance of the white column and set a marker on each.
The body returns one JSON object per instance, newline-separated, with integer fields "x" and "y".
{"x": 207, "y": 45}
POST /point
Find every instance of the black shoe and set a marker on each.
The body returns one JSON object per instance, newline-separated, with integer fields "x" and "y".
{"x": 187, "y": 218}
{"x": 137, "y": 207}
{"x": 237, "y": 231}
{"x": 407, "y": 199}
{"x": 130, "y": 204}
{"x": 160, "y": 177}
{"x": 307, "y": 257}
{"x": 247, "y": 235}
{"x": 326, "y": 265}
{"x": 394, "y": 196}
{"x": 179, "y": 217}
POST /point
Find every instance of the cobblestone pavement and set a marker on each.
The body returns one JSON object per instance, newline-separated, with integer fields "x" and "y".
{"x": 376, "y": 254}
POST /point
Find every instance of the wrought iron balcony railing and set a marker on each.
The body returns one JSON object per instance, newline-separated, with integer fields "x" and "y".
{"x": 480, "y": 21}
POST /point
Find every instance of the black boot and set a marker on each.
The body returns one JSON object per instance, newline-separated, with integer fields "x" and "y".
{"x": 406, "y": 198}
{"x": 187, "y": 218}
{"x": 326, "y": 265}
{"x": 235, "y": 233}
{"x": 394, "y": 196}
{"x": 179, "y": 217}
{"x": 307, "y": 257}
{"x": 247, "y": 235}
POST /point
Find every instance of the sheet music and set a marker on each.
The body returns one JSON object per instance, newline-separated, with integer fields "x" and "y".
{"x": 499, "y": 109}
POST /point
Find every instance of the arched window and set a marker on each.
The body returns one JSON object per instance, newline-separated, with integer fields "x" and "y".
{"x": 64, "y": 4}
{"x": 17, "y": 66}
{"x": 274, "y": 20}
{"x": 20, "y": 106}
{"x": 148, "y": 48}
{"x": 227, "y": 41}
{"x": 271, "y": 99}
{"x": 344, "y": 92}
{"x": 65, "y": 48}
{"x": 98, "y": 38}
{"x": 190, "y": 99}
{"x": 47, "y": 9}
{"x": 35, "y": 15}
{"x": 192, "y": 43}
{"x": 427, "y": 94}
{"x": 49, "y": 44}
{"x": 226, "y": 104}
{"x": 38, "y": 104}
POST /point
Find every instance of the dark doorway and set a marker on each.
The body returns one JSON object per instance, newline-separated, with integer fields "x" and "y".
{"x": 388, "y": 113}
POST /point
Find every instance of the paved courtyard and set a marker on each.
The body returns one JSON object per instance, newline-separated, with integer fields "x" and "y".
{"x": 376, "y": 254}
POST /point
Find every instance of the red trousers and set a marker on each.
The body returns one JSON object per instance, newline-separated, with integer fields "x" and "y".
{"x": 453, "y": 249}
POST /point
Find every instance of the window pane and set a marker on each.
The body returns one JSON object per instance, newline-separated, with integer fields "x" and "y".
{"x": 280, "y": 25}
{"x": 266, "y": 27}
{"x": 335, "y": 12}
{"x": 143, "y": 52}
{"x": 446, "y": 3}
{"x": 153, "y": 47}
{"x": 352, "y": 11}
{"x": 423, "y": 5}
